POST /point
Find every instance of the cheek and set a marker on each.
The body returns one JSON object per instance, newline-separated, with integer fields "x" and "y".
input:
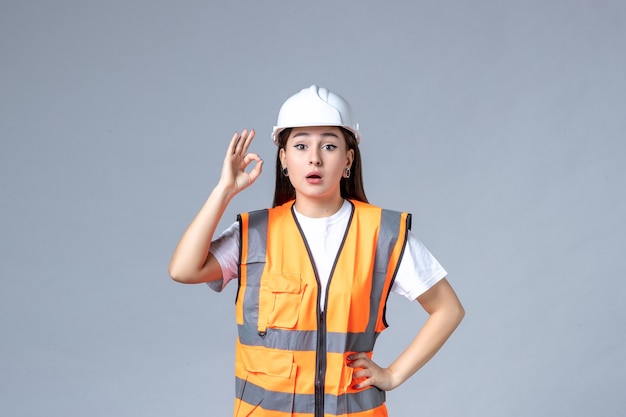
{"x": 290, "y": 158}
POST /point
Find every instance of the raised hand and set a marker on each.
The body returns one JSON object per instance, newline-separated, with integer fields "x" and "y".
{"x": 234, "y": 177}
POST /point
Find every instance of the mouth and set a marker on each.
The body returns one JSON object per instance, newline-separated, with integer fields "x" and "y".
{"x": 314, "y": 177}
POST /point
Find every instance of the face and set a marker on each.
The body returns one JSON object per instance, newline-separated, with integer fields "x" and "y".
{"x": 316, "y": 158}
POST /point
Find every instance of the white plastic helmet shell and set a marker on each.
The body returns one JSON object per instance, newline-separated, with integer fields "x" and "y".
{"x": 315, "y": 106}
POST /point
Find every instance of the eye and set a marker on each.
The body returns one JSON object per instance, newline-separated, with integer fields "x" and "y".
{"x": 299, "y": 146}
{"x": 329, "y": 147}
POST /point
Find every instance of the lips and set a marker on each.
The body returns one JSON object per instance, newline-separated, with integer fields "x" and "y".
{"x": 314, "y": 177}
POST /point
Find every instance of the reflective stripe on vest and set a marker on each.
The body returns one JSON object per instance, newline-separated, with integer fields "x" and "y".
{"x": 291, "y": 356}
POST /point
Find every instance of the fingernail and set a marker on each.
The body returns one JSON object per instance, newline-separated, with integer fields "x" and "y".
{"x": 357, "y": 386}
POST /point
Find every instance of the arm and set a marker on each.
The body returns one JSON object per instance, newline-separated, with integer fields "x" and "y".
{"x": 446, "y": 312}
{"x": 191, "y": 261}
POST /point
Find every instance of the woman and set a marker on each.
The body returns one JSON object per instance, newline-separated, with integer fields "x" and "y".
{"x": 314, "y": 271}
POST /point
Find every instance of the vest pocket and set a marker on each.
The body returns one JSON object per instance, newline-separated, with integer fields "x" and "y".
{"x": 287, "y": 290}
{"x": 346, "y": 380}
{"x": 269, "y": 383}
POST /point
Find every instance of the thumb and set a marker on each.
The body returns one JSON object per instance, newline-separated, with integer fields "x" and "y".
{"x": 256, "y": 171}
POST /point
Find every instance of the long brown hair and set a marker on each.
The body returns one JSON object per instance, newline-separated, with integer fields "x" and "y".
{"x": 351, "y": 188}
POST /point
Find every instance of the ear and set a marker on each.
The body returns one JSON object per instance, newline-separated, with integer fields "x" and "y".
{"x": 350, "y": 158}
{"x": 282, "y": 157}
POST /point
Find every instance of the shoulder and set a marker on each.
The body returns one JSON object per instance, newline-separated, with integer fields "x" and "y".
{"x": 360, "y": 205}
{"x": 261, "y": 218}
{"x": 365, "y": 209}
{"x": 402, "y": 216}
{"x": 274, "y": 210}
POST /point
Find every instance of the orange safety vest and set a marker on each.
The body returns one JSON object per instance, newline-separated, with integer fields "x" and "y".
{"x": 291, "y": 356}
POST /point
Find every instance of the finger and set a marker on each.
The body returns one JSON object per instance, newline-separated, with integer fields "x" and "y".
{"x": 249, "y": 158}
{"x": 360, "y": 363}
{"x": 363, "y": 384}
{"x": 360, "y": 355}
{"x": 240, "y": 142}
{"x": 248, "y": 141}
{"x": 256, "y": 171}
{"x": 363, "y": 373}
{"x": 354, "y": 364}
{"x": 233, "y": 143}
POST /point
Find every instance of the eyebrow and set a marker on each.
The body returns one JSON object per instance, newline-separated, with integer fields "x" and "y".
{"x": 326, "y": 134}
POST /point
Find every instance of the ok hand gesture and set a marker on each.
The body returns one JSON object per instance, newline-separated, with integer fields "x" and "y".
{"x": 234, "y": 177}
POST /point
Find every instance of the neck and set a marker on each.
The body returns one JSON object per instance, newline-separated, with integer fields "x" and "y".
{"x": 315, "y": 208}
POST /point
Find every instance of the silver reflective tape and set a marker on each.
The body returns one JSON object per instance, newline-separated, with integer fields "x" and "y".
{"x": 305, "y": 403}
{"x": 255, "y": 263}
{"x": 387, "y": 238}
{"x": 306, "y": 340}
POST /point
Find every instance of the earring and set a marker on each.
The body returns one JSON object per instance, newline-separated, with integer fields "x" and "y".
{"x": 285, "y": 172}
{"x": 348, "y": 172}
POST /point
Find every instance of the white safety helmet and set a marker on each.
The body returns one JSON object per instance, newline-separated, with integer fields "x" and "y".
{"x": 315, "y": 106}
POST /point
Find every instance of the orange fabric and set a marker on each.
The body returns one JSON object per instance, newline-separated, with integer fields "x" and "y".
{"x": 288, "y": 302}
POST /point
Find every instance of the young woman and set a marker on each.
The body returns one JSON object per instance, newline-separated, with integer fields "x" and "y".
{"x": 314, "y": 272}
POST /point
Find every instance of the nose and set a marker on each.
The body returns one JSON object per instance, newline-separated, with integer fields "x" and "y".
{"x": 314, "y": 158}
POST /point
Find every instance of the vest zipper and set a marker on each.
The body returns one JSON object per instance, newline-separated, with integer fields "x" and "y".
{"x": 320, "y": 374}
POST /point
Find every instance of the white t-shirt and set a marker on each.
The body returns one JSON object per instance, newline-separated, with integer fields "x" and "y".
{"x": 418, "y": 270}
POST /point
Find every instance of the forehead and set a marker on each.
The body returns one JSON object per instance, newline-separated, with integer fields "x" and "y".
{"x": 316, "y": 131}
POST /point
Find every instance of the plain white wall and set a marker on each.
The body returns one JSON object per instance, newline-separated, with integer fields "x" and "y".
{"x": 498, "y": 124}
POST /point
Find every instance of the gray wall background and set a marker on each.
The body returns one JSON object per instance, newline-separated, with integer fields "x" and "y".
{"x": 498, "y": 124}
